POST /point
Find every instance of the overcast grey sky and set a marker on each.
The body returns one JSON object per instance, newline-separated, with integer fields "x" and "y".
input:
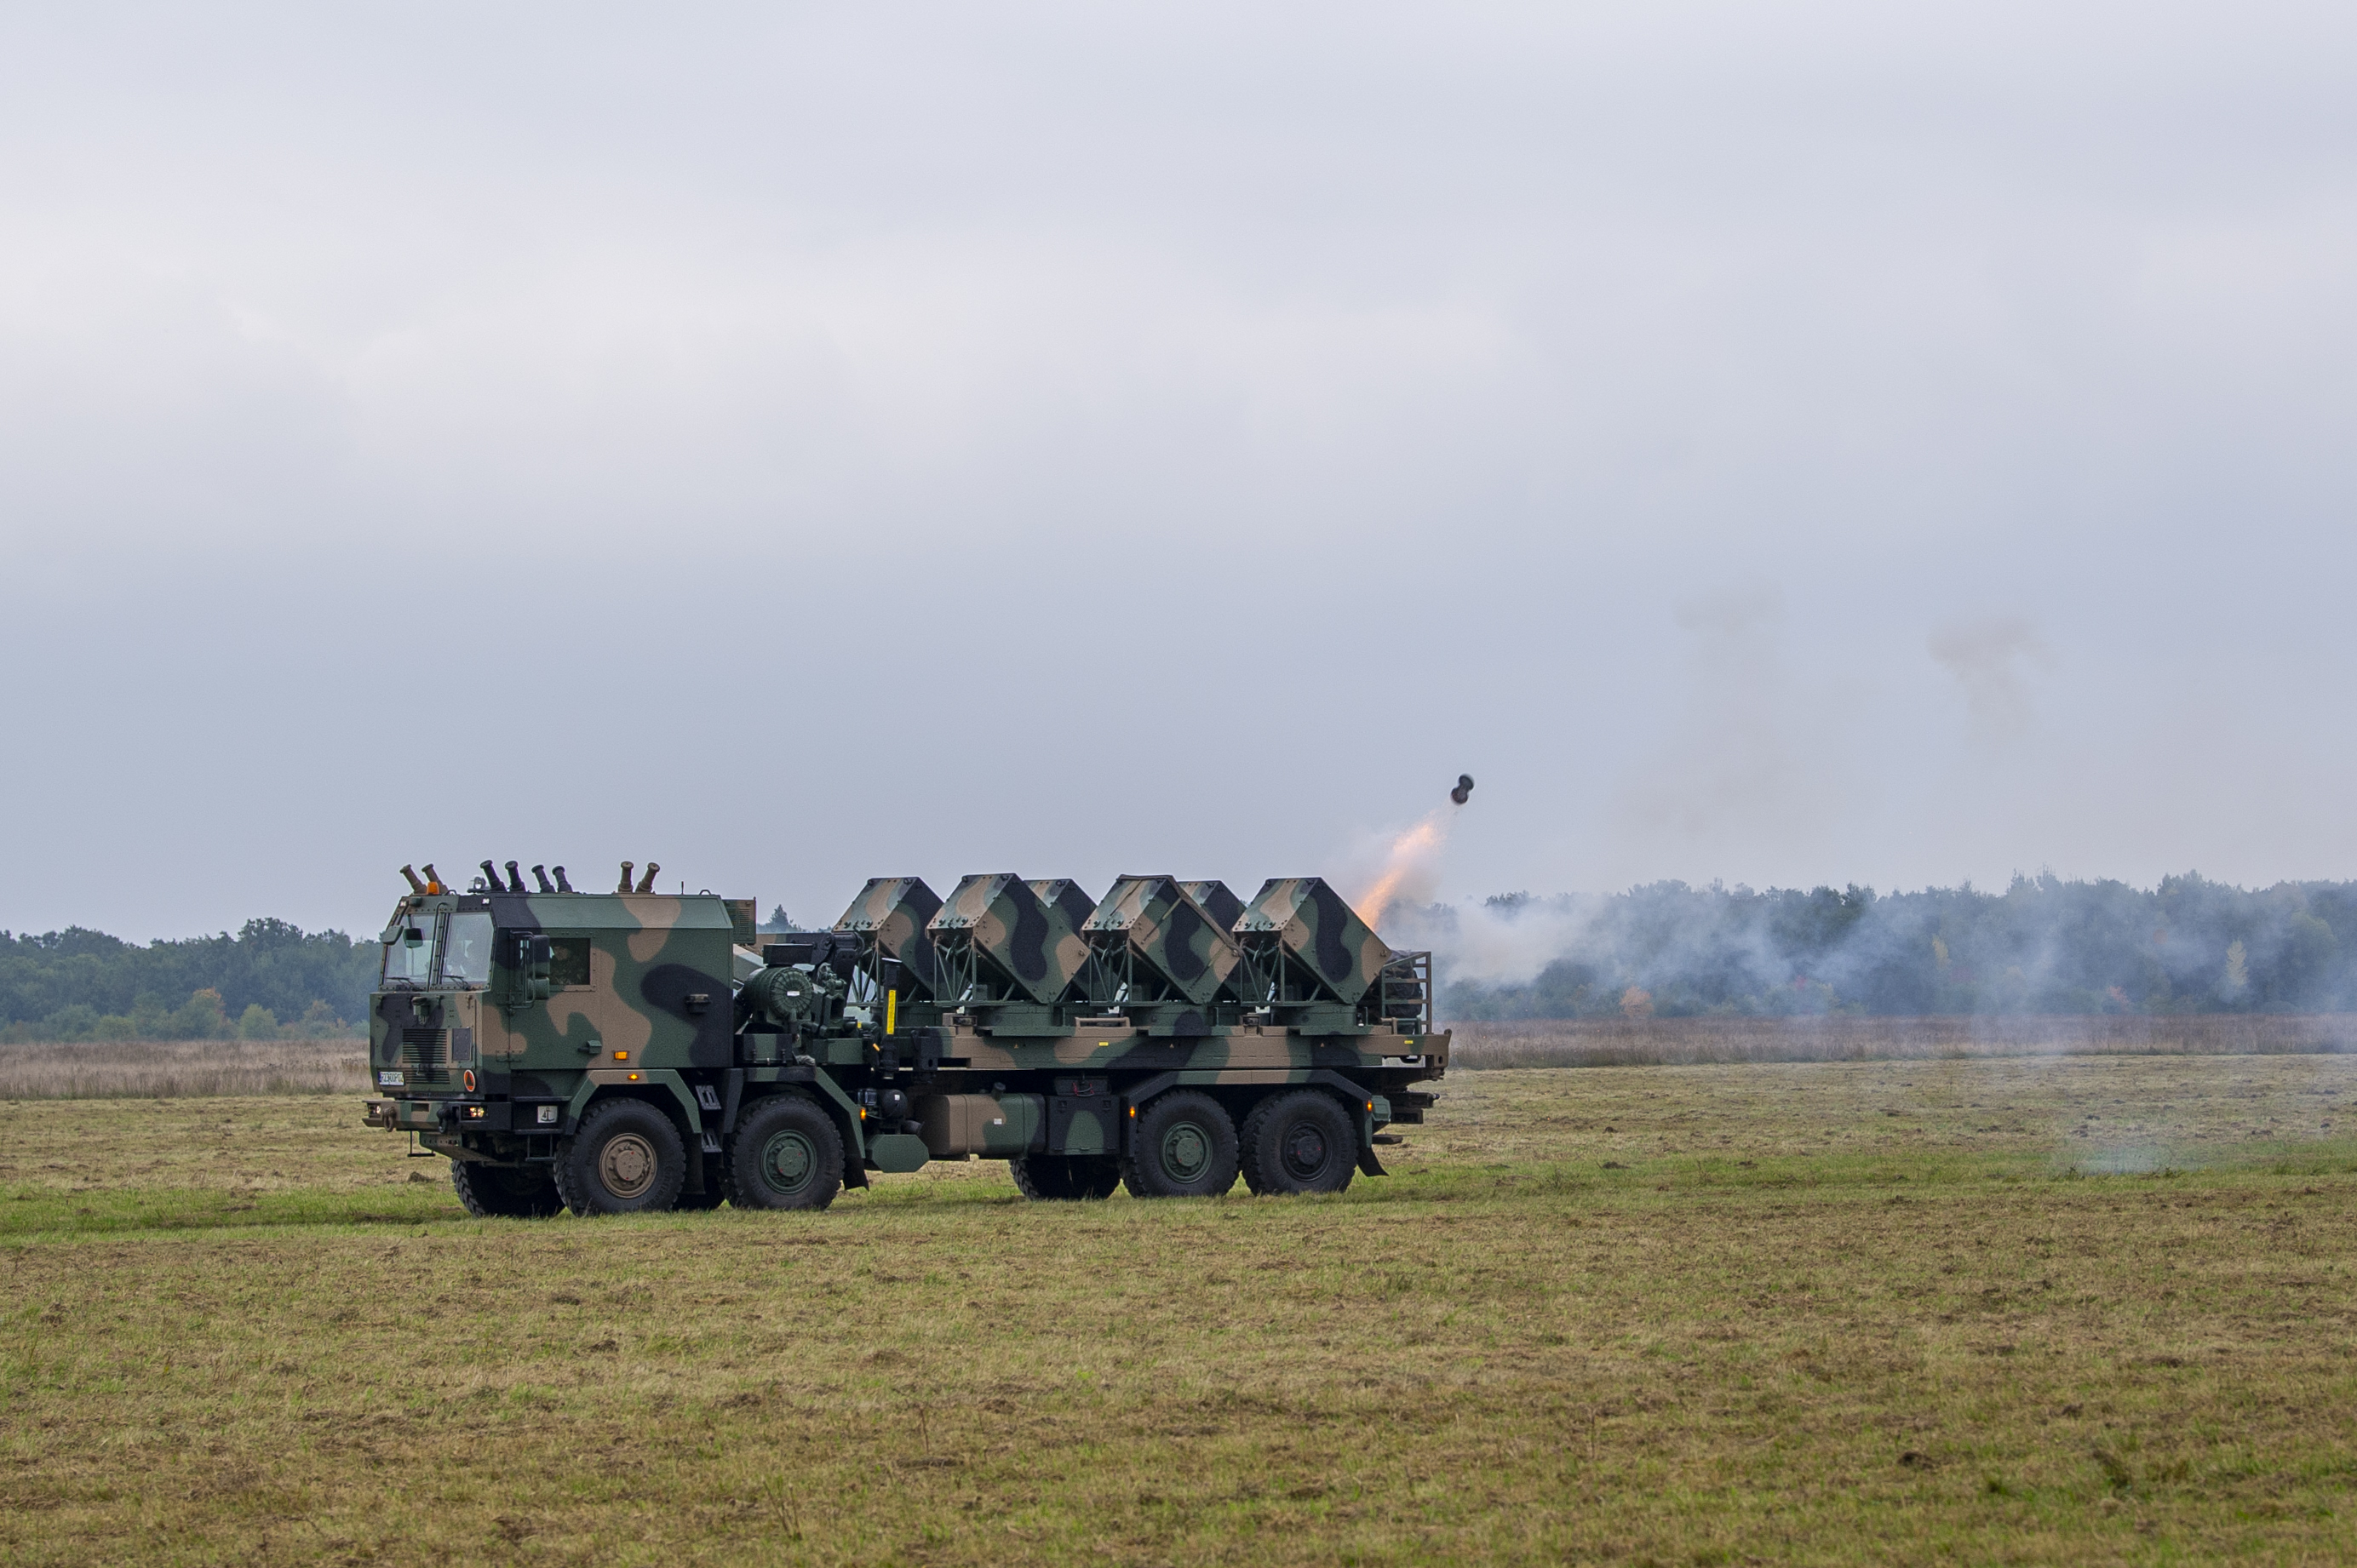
{"x": 796, "y": 444}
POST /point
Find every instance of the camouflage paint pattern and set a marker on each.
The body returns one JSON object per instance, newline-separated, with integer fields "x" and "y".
{"x": 997, "y": 932}
{"x": 1073, "y": 906}
{"x": 644, "y": 960}
{"x": 1089, "y": 1125}
{"x": 1224, "y": 908}
{"x": 1154, "y": 938}
{"x": 892, "y": 912}
{"x": 650, "y": 957}
{"x": 992, "y": 1125}
{"x": 1297, "y": 928}
{"x": 1247, "y": 1048}
{"x": 645, "y": 994}
{"x": 641, "y": 1001}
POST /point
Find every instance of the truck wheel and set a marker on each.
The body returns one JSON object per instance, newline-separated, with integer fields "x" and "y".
{"x": 1299, "y": 1142}
{"x": 1065, "y": 1178}
{"x": 1182, "y": 1146}
{"x": 499, "y": 1192}
{"x": 626, "y": 1159}
{"x": 786, "y": 1154}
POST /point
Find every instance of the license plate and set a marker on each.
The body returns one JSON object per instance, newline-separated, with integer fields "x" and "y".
{"x": 389, "y": 1078}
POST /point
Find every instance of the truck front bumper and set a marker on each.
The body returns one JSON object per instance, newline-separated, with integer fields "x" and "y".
{"x": 436, "y": 1115}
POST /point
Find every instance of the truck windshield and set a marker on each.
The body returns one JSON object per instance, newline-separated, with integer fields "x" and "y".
{"x": 467, "y": 951}
{"x": 407, "y": 963}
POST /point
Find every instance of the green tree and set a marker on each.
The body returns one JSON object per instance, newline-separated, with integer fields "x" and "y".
{"x": 75, "y": 1021}
{"x": 200, "y": 1017}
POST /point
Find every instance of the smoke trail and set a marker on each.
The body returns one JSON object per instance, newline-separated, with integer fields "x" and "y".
{"x": 1989, "y": 659}
{"x": 1409, "y": 865}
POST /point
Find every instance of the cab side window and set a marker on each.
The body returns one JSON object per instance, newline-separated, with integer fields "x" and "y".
{"x": 569, "y": 962}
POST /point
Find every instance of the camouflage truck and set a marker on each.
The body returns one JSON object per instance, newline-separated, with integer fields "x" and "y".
{"x": 635, "y": 1050}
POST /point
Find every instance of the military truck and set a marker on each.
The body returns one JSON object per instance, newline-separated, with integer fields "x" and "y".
{"x": 636, "y": 1050}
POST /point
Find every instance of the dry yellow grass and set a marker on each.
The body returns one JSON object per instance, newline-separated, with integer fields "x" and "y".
{"x": 1687, "y": 1042}
{"x": 181, "y": 1069}
{"x": 1678, "y": 1315}
{"x": 177, "y": 1068}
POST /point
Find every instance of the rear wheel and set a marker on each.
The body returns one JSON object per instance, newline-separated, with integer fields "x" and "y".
{"x": 1299, "y": 1142}
{"x": 1181, "y": 1145}
{"x": 786, "y": 1154}
{"x": 626, "y": 1158}
{"x": 503, "y": 1192}
{"x": 1065, "y": 1178}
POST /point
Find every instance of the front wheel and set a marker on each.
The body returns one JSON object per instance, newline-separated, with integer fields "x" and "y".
{"x": 1299, "y": 1142}
{"x": 1065, "y": 1178}
{"x": 626, "y": 1158}
{"x": 786, "y": 1154}
{"x": 526, "y": 1192}
{"x": 1181, "y": 1145}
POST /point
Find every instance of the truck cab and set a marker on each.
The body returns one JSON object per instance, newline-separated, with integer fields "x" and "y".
{"x": 498, "y": 1016}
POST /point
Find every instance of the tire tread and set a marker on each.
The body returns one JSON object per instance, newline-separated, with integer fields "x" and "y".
{"x": 576, "y": 1193}
{"x": 831, "y": 1148}
{"x": 488, "y": 1192}
{"x": 1264, "y": 1179}
{"x": 1142, "y": 1182}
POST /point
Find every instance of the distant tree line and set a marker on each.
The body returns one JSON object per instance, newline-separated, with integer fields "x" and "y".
{"x": 270, "y": 981}
{"x": 2042, "y": 946}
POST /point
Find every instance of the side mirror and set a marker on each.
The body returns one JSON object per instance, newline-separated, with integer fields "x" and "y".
{"x": 414, "y": 937}
{"x": 534, "y": 954}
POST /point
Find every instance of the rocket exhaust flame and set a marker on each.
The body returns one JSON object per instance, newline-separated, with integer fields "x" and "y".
{"x": 1408, "y": 853}
{"x": 1409, "y": 859}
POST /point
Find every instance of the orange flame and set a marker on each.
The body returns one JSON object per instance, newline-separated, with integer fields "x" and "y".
{"x": 1406, "y": 853}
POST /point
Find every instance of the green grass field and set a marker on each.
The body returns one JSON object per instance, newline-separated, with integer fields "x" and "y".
{"x": 2012, "y": 1310}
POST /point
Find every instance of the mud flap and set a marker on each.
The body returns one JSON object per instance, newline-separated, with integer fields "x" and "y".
{"x": 1369, "y": 1119}
{"x": 847, "y": 1123}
